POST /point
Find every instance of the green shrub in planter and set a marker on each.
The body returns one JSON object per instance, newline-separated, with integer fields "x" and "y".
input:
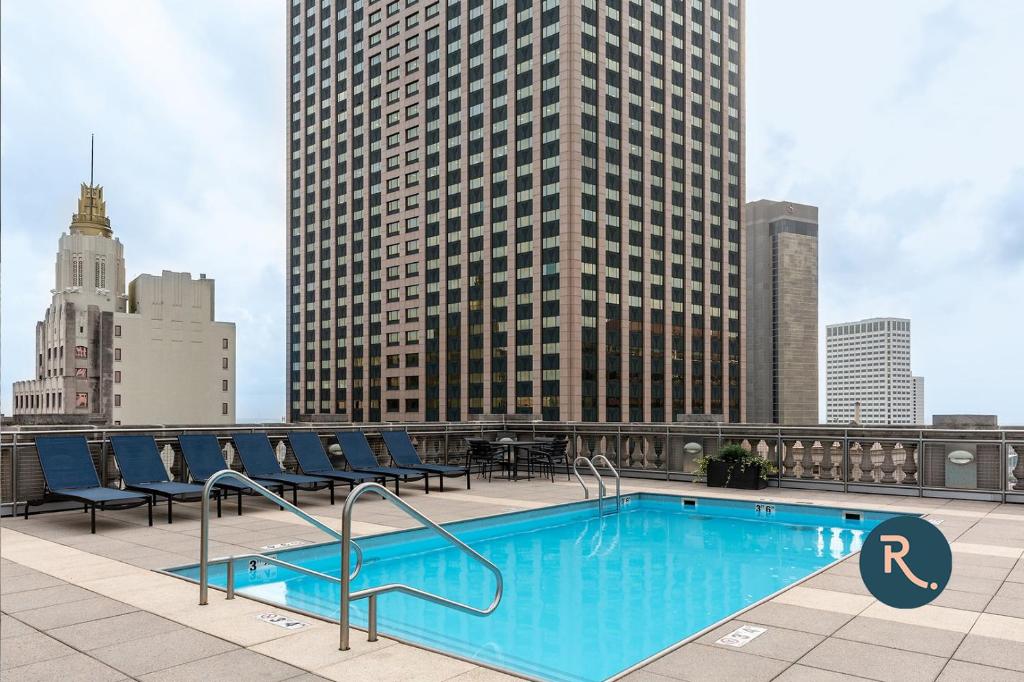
{"x": 735, "y": 467}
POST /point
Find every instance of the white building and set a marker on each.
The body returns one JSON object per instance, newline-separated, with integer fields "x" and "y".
{"x": 868, "y": 363}
{"x": 150, "y": 355}
{"x": 919, "y": 400}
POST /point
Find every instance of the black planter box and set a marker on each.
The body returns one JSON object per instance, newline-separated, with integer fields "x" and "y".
{"x": 743, "y": 478}
{"x": 747, "y": 478}
{"x": 718, "y": 473}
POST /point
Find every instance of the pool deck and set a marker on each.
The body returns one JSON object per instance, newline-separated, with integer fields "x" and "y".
{"x": 77, "y": 606}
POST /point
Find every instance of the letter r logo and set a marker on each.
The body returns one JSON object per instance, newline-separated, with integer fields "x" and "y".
{"x": 889, "y": 556}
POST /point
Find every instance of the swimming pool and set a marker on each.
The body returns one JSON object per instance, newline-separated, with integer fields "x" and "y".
{"x": 586, "y": 597}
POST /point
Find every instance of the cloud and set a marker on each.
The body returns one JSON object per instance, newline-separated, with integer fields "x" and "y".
{"x": 185, "y": 100}
{"x": 898, "y": 121}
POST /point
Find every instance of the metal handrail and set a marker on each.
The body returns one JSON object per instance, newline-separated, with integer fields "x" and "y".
{"x": 204, "y": 528}
{"x": 372, "y": 592}
{"x": 618, "y": 480}
{"x": 586, "y": 491}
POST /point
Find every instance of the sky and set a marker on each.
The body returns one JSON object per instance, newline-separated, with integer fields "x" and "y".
{"x": 899, "y": 120}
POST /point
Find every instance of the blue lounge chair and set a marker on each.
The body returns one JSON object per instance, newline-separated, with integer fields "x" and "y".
{"x": 403, "y": 454}
{"x": 259, "y": 461}
{"x": 313, "y": 461}
{"x": 204, "y": 458}
{"x": 69, "y": 474}
{"x": 360, "y": 457}
{"x": 142, "y": 469}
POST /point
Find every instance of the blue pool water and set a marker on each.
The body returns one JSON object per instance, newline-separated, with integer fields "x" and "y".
{"x": 585, "y": 597}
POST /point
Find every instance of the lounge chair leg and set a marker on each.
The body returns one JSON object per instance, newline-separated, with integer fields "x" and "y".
{"x": 93, "y": 520}
{"x": 331, "y": 484}
{"x": 149, "y": 506}
{"x": 295, "y": 496}
{"x": 239, "y": 502}
{"x": 468, "y": 479}
{"x": 170, "y": 513}
{"x": 396, "y": 487}
{"x": 26, "y": 510}
{"x": 218, "y": 504}
{"x": 85, "y": 509}
{"x": 441, "y": 478}
{"x": 426, "y": 484}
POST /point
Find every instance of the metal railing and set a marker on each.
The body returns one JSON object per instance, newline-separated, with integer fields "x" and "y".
{"x": 204, "y": 537}
{"x": 371, "y": 593}
{"x": 586, "y": 491}
{"x": 618, "y": 479}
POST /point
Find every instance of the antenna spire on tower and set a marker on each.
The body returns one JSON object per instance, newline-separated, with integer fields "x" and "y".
{"x": 92, "y": 148}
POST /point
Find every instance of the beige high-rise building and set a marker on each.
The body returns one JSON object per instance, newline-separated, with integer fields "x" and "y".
{"x": 150, "y": 355}
{"x": 782, "y": 312}
{"x": 868, "y": 373}
{"x": 918, "y": 405}
{"x": 515, "y": 207}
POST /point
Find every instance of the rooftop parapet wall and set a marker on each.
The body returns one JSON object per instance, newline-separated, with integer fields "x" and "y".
{"x": 886, "y": 460}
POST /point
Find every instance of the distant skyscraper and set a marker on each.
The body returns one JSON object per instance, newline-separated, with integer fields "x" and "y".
{"x": 919, "y": 400}
{"x": 150, "y": 355}
{"x": 514, "y": 207}
{"x": 782, "y": 312}
{"x": 869, "y": 362}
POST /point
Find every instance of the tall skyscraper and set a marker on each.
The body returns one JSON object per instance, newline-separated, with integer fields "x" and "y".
{"x": 148, "y": 354}
{"x": 529, "y": 207}
{"x": 782, "y": 312}
{"x": 919, "y": 401}
{"x": 868, "y": 363}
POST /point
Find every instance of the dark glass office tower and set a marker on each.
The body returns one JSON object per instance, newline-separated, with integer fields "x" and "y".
{"x": 515, "y": 207}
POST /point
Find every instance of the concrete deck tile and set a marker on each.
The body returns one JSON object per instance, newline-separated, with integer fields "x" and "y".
{"x": 1008, "y": 601}
{"x": 965, "y": 601}
{"x": 56, "y": 616}
{"x": 307, "y": 677}
{"x": 958, "y": 671}
{"x": 716, "y": 664}
{"x": 777, "y": 614}
{"x": 645, "y": 675}
{"x": 803, "y": 673}
{"x": 243, "y": 629}
{"x": 166, "y": 650}
{"x": 997, "y": 653}
{"x": 987, "y": 549}
{"x": 928, "y": 616}
{"x": 874, "y": 662}
{"x": 10, "y": 569}
{"x": 825, "y": 600}
{"x": 95, "y": 634}
{"x": 76, "y": 667}
{"x": 47, "y": 596}
{"x": 483, "y": 675}
{"x": 397, "y": 663}
{"x": 239, "y": 663}
{"x": 924, "y": 640}
{"x": 1000, "y": 627}
{"x": 12, "y": 627}
{"x": 852, "y": 584}
{"x": 777, "y": 642}
{"x": 974, "y": 584}
{"x": 317, "y": 647}
{"x": 1016, "y": 575}
{"x": 972, "y": 559}
{"x": 31, "y": 648}
{"x": 964, "y": 570}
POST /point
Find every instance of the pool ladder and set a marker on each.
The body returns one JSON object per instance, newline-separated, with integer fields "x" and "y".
{"x": 601, "y": 489}
{"x": 347, "y": 547}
